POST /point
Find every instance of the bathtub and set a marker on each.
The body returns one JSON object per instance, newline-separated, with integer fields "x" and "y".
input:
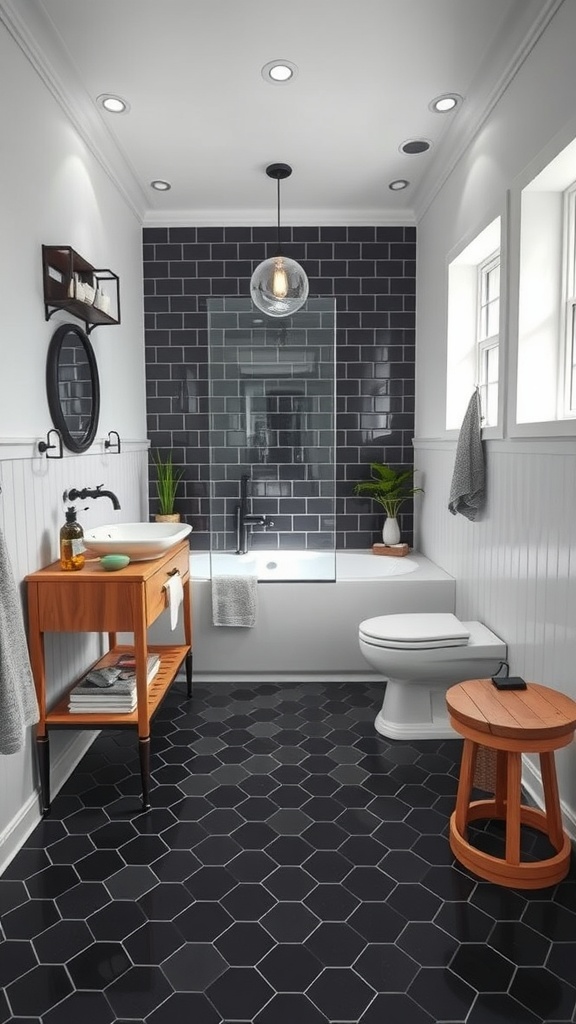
{"x": 306, "y": 630}
{"x": 285, "y": 566}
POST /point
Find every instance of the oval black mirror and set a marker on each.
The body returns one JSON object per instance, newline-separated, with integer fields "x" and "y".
{"x": 73, "y": 387}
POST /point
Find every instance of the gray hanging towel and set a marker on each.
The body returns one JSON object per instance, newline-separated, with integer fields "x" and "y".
{"x": 18, "y": 704}
{"x": 468, "y": 490}
{"x": 234, "y": 600}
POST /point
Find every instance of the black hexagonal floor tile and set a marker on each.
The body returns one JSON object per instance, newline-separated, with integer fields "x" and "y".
{"x": 248, "y": 902}
{"x": 138, "y": 992}
{"x": 240, "y": 993}
{"x": 244, "y": 943}
{"x": 290, "y": 883}
{"x": 290, "y": 967}
{"x": 290, "y": 922}
{"x": 194, "y": 967}
{"x": 386, "y": 967}
{"x": 203, "y": 922}
{"x": 295, "y": 866}
{"x": 287, "y": 1007}
{"x": 98, "y": 965}
{"x": 340, "y": 994}
{"x": 335, "y": 944}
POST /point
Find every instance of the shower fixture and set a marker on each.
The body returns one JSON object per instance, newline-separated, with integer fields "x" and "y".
{"x": 279, "y": 285}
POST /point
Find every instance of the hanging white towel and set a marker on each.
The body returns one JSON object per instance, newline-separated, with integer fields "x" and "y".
{"x": 175, "y": 594}
{"x": 18, "y": 704}
{"x": 468, "y": 490}
{"x": 234, "y": 600}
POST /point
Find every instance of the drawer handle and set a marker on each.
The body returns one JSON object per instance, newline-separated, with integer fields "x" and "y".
{"x": 174, "y": 572}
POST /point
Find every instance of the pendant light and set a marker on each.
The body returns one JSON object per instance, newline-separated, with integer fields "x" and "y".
{"x": 279, "y": 286}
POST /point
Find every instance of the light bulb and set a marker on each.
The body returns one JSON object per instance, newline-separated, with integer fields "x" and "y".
{"x": 279, "y": 279}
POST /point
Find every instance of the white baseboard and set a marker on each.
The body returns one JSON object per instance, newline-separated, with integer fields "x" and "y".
{"x": 13, "y": 837}
{"x": 532, "y": 783}
{"x": 286, "y": 677}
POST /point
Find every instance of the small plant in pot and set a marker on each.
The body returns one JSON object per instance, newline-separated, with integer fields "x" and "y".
{"x": 167, "y": 481}
{"x": 390, "y": 488}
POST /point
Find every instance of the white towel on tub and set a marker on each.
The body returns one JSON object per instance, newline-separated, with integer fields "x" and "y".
{"x": 234, "y": 600}
{"x": 18, "y": 704}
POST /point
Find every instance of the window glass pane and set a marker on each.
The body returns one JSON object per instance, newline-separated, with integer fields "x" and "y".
{"x": 493, "y": 311}
{"x": 493, "y": 283}
{"x": 492, "y": 365}
{"x": 491, "y": 405}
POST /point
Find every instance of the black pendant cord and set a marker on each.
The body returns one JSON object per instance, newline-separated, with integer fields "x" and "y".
{"x": 278, "y": 247}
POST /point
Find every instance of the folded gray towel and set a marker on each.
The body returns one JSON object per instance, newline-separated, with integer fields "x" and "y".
{"x": 468, "y": 490}
{"x": 234, "y": 600}
{"x": 18, "y": 704}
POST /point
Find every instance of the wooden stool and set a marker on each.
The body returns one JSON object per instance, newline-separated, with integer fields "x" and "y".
{"x": 511, "y": 722}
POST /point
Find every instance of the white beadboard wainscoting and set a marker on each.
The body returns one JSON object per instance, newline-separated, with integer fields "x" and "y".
{"x": 31, "y": 514}
{"x": 515, "y": 568}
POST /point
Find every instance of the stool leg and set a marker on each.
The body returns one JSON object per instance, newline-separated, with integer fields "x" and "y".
{"x": 514, "y": 774}
{"x": 501, "y": 783}
{"x": 465, "y": 786}
{"x": 551, "y": 800}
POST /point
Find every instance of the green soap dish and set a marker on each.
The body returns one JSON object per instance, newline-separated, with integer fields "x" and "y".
{"x": 112, "y": 562}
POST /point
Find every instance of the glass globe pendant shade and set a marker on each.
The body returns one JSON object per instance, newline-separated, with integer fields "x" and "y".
{"x": 279, "y": 286}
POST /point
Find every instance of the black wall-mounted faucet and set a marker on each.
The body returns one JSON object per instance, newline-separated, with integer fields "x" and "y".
{"x": 244, "y": 518}
{"x": 90, "y": 492}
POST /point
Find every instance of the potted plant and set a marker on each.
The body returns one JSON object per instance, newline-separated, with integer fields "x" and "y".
{"x": 390, "y": 488}
{"x": 167, "y": 480}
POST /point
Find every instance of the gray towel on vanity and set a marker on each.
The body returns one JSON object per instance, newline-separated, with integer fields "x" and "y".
{"x": 18, "y": 704}
{"x": 234, "y": 600}
{"x": 468, "y": 490}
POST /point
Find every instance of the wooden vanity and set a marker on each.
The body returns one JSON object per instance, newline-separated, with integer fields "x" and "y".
{"x": 93, "y": 600}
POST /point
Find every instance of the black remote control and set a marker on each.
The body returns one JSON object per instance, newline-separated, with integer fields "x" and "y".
{"x": 509, "y": 683}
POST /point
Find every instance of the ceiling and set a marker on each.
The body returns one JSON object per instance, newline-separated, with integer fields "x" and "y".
{"x": 203, "y": 118}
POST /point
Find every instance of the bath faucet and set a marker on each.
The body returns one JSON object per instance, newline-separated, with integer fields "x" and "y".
{"x": 244, "y": 518}
{"x": 90, "y": 492}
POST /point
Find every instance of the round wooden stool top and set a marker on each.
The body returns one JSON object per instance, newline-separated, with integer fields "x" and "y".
{"x": 533, "y": 719}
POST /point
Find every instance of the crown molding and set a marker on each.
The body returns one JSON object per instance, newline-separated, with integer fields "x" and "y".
{"x": 470, "y": 118}
{"x": 39, "y": 42}
{"x": 294, "y": 218}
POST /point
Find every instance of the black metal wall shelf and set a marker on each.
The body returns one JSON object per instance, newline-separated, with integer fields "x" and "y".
{"x": 66, "y": 273}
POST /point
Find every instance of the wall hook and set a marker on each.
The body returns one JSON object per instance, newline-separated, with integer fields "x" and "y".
{"x": 114, "y": 446}
{"x": 46, "y": 446}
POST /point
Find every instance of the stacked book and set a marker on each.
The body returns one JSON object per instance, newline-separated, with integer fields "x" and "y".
{"x": 110, "y": 689}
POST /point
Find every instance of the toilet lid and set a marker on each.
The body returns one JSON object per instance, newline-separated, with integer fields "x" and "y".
{"x": 424, "y": 629}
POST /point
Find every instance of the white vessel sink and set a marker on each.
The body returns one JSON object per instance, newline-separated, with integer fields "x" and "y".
{"x": 140, "y": 541}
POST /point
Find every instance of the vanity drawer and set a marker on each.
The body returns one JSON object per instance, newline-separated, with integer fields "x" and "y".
{"x": 156, "y": 597}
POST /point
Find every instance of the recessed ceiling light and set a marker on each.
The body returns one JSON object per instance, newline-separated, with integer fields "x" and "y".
{"x": 398, "y": 184}
{"x": 113, "y": 104}
{"x": 446, "y": 102}
{"x": 415, "y": 146}
{"x": 160, "y": 186}
{"x": 278, "y": 72}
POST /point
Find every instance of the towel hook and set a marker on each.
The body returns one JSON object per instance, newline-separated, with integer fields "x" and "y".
{"x": 46, "y": 446}
{"x": 114, "y": 446}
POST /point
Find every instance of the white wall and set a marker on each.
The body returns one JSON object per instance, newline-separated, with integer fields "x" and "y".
{"x": 55, "y": 192}
{"x": 513, "y": 568}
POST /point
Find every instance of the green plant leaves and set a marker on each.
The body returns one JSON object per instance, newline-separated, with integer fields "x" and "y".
{"x": 389, "y": 487}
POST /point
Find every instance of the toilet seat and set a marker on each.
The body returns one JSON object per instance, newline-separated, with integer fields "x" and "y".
{"x": 414, "y": 632}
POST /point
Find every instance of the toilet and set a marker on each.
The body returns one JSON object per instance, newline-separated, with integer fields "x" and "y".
{"x": 421, "y": 655}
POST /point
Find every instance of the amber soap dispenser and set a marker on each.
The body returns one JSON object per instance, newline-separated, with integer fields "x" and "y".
{"x": 71, "y": 543}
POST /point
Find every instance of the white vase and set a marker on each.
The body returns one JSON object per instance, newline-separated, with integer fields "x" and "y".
{"x": 391, "y": 531}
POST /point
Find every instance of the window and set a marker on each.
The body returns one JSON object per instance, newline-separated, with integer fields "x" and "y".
{"x": 488, "y": 337}
{"x": 474, "y": 328}
{"x": 545, "y": 377}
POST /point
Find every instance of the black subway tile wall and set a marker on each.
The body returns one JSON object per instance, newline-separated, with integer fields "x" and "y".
{"x": 369, "y": 271}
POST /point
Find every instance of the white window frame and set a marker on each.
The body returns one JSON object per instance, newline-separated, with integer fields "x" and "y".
{"x": 567, "y": 389}
{"x": 486, "y": 343}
